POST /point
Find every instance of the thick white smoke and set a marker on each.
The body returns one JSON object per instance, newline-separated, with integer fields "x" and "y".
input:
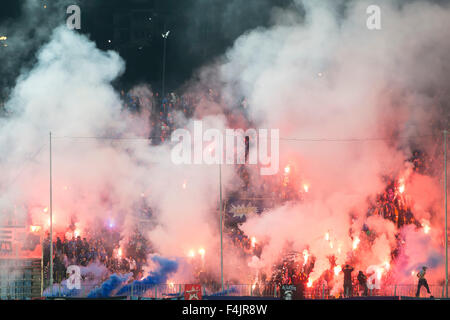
{"x": 356, "y": 94}
{"x": 97, "y": 177}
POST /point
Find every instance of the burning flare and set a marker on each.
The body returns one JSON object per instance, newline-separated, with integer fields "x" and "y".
{"x": 305, "y": 256}
{"x": 253, "y": 242}
{"x": 356, "y": 242}
{"x": 337, "y": 269}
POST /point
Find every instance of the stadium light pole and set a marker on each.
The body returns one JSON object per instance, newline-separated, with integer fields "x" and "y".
{"x": 51, "y": 216}
{"x": 165, "y": 35}
{"x": 446, "y": 228}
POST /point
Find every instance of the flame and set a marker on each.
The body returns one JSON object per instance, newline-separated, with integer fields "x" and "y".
{"x": 191, "y": 253}
{"x": 331, "y": 244}
{"x": 35, "y": 228}
{"x": 306, "y": 187}
{"x": 201, "y": 251}
{"x": 356, "y": 242}
{"x": 327, "y": 236}
{"x": 253, "y": 242}
{"x": 413, "y": 273}
{"x": 76, "y": 233}
{"x": 119, "y": 253}
{"x": 401, "y": 188}
{"x": 387, "y": 265}
{"x": 426, "y": 226}
{"x": 171, "y": 284}
{"x": 379, "y": 273}
{"x": 184, "y": 185}
{"x": 287, "y": 169}
{"x": 45, "y": 209}
{"x": 310, "y": 283}
{"x": 305, "y": 256}
{"x": 337, "y": 269}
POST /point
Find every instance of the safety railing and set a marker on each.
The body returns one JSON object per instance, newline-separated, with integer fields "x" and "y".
{"x": 22, "y": 290}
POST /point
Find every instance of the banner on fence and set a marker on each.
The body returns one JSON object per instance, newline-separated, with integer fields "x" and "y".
{"x": 193, "y": 292}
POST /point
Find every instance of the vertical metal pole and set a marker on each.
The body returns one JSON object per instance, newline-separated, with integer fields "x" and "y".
{"x": 51, "y": 216}
{"x": 446, "y": 235}
{"x": 164, "y": 64}
{"x": 221, "y": 235}
{"x": 42, "y": 259}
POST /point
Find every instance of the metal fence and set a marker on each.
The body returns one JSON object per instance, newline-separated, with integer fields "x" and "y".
{"x": 21, "y": 290}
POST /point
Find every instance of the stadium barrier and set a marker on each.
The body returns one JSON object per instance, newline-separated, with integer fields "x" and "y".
{"x": 139, "y": 291}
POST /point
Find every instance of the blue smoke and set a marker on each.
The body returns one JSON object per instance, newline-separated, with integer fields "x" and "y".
{"x": 160, "y": 276}
{"x": 107, "y": 287}
{"x": 61, "y": 290}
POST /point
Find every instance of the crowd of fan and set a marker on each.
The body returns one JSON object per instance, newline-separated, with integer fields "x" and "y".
{"x": 162, "y": 111}
{"x": 100, "y": 247}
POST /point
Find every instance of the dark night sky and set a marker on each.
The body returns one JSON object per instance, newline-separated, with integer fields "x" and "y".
{"x": 201, "y": 30}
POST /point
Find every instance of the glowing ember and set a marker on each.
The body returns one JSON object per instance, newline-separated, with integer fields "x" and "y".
{"x": 356, "y": 242}
{"x": 337, "y": 269}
